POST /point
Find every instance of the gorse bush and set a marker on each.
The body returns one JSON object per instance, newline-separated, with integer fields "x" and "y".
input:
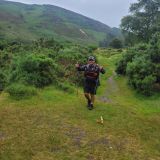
{"x": 67, "y": 58}
{"x": 37, "y": 70}
{"x": 3, "y": 44}
{"x": 141, "y": 64}
{"x": 154, "y": 50}
{"x": 5, "y": 59}
{"x": 92, "y": 48}
{"x": 65, "y": 87}
{"x": 141, "y": 75}
{"x": 19, "y": 91}
{"x": 129, "y": 55}
{"x": 42, "y": 63}
{"x": 72, "y": 55}
{"x": 48, "y": 43}
{"x": 2, "y": 81}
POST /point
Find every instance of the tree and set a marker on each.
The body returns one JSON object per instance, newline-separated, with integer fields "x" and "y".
{"x": 116, "y": 43}
{"x": 144, "y": 18}
{"x": 105, "y": 43}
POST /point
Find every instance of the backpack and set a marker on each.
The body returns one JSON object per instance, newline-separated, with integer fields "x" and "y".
{"x": 91, "y": 71}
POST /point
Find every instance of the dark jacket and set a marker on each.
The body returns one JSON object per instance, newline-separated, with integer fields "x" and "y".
{"x": 91, "y": 71}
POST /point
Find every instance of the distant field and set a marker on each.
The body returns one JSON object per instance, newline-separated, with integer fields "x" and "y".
{"x": 55, "y": 125}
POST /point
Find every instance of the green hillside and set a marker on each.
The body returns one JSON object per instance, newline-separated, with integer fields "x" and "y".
{"x": 29, "y": 22}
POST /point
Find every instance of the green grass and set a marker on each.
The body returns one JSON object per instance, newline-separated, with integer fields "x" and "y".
{"x": 55, "y": 125}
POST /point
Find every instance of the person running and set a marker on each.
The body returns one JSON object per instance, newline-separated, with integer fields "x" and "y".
{"x": 91, "y": 80}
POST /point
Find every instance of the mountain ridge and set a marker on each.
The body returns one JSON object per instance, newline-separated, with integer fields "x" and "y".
{"x": 34, "y": 21}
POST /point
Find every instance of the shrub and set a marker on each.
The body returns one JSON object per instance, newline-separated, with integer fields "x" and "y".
{"x": 116, "y": 43}
{"x": 141, "y": 76}
{"x": 122, "y": 63}
{"x": 65, "y": 87}
{"x": 2, "y": 81}
{"x": 38, "y": 70}
{"x": 3, "y": 44}
{"x": 19, "y": 91}
{"x": 129, "y": 55}
{"x": 119, "y": 50}
{"x": 70, "y": 56}
{"x": 92, "y": 48}
{"x": 4, "y": 59}
{"x": 48, "y": 43}
{"x": 147, "y": 85}
{"x": 67, "y": 58}
{"x": 42, "y": 62}
{"x": 154, "y": 49}
{"x": 141, "y": 65}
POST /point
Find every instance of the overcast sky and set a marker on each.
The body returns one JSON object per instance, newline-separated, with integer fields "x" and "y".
{"x": 109, "y": 12}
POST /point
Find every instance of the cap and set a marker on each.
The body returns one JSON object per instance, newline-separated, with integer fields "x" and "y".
{"x": 91, "y": 58}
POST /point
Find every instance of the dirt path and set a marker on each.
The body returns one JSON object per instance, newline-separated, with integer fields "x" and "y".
{"x": 111, "y": 88}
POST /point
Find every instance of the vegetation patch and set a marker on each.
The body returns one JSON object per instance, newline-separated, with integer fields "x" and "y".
{"x": 20, "y": 91}
{"x": 141, "y": 65}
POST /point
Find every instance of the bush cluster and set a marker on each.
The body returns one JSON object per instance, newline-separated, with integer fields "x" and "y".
{"x": 141, "y": 64}
{"x": 41, "y": 63}
{"x": 19, "y": 91}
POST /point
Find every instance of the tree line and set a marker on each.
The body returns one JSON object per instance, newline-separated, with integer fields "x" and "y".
{"x": 141, "y": 61}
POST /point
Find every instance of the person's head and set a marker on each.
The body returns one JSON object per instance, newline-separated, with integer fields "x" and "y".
{"x": 91, "y": 60}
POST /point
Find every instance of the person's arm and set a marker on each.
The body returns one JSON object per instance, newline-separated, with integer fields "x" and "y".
{"x": 80, "y": 67}
{"x": 102, "y": 70}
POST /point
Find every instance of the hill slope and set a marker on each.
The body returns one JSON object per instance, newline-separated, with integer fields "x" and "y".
{"x": 29, "y": 22}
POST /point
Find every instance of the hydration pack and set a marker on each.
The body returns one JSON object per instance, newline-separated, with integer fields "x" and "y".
{"x": 91, "y": 71}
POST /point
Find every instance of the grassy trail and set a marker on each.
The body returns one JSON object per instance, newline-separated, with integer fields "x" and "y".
{"x": 57, "y": 126}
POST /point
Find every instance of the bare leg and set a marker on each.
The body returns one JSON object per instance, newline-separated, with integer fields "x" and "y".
{"x": 87, "y": 95}
{"x": 92, "y": 98}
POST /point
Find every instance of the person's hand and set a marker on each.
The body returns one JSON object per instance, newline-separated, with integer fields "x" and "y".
{"x": 77, "y": 65}
{"x": 101, "y": 67}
